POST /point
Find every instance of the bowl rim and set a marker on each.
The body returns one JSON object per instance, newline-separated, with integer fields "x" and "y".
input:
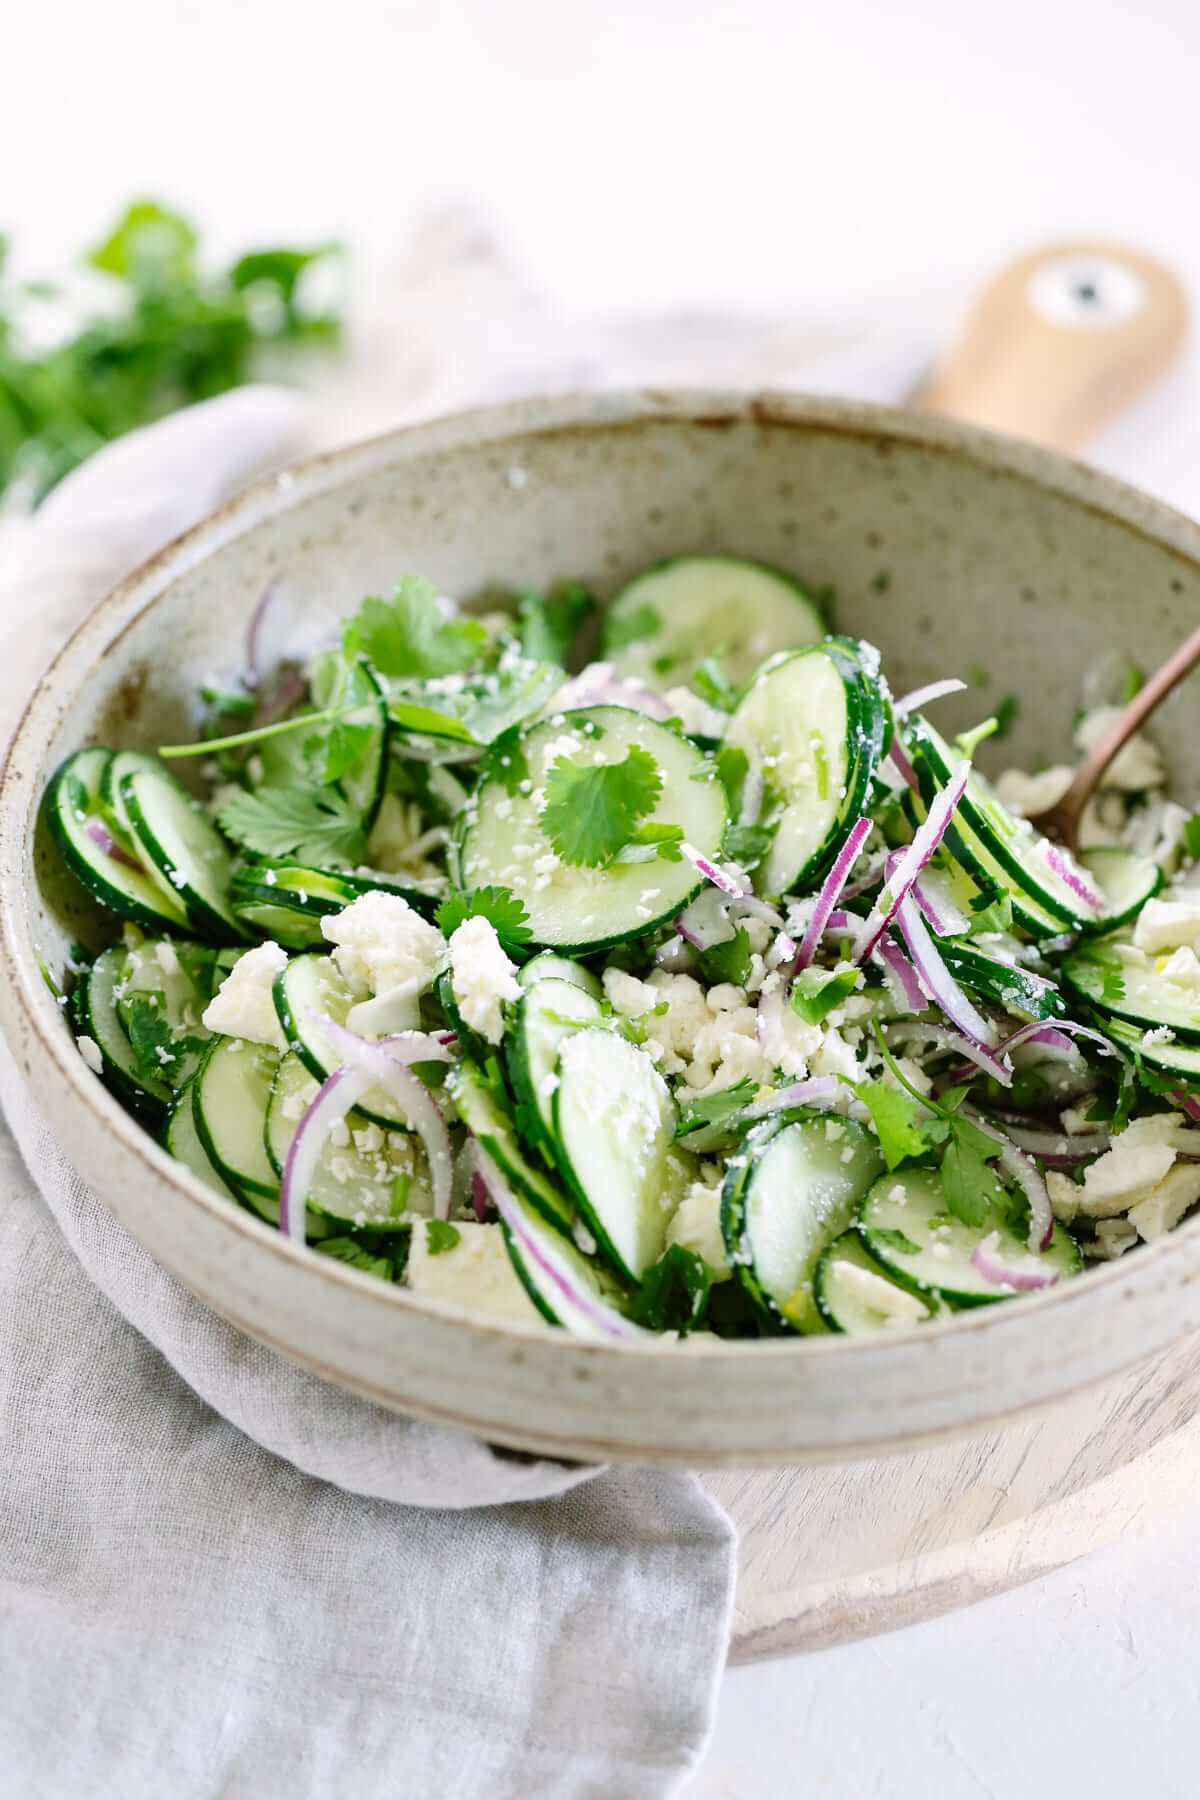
{"x": 26, "y": 1001}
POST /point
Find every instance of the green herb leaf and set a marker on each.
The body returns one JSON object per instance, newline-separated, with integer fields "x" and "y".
{"x": 441, "y": 1236}
{"x": 1191, "y": 837}
{"x": 714, "y": 1109}
{"x": 496, "y": 904}
{"x": 333, "y": 753}
{"x": 549, "y": 623}
{"x": 900, "y": 1123}
{"x": 409, "y": 637}
{"x": 711, "y": 683}
{"x": 1107, "y": 971}
{"x": 729, "y": 961}
{"x": 320, "y": 828}
{"x": 972, "y": 1191}
{"x": 747, "y": 845}
{"x": 674, "y": 1291}
{"x": 387, "y": 1264}
{"x": 815, "y": 992}
{"x": 591, "y": 811}
{"x": 650, "y": 843}
{"x": 733, "y": 765}
{"x": 631, "y": 626}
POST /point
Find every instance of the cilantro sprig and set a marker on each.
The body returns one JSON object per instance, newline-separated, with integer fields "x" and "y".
{"x": 498, "y": 905}
{"x": 592, "y": 811}
{"x": 318, "y": 826}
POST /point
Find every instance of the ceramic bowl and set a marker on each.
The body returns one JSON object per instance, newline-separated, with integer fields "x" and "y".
{"x": 950, "y": 548}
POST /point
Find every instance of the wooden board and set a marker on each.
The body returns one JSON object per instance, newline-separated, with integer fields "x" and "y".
{"x": 850, "y": 1550}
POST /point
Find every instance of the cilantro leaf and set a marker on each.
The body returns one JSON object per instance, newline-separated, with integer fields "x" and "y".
{"x": 729, "y": 961}
{"x": 733, "y": 766}
{"x": 992, "y": 910}
{"x": 496, "y": 904}
{"x": 548, "y": 624}
{"x": 506, "y": 762}
{"x": 673, "y": 1295}
{"x": 899, "y": 1125}
{"x": 335, "y": 752}
{"x": 441, "y": 1236}
{"x": 409, "y": 637}
{"x": 650, "y": 842}
{"x": 385, "y": 1262}
{"x": 591, "y": 811}
{"x": 712, "y": 684}
{"x": 158, "y": 1055}
{"x": 1191, "y": 837}
{"x": 318, "y": 827}
{"x": 971, "y": 1188}
{"x": 747, "y": 845}
{"x": 631, "y": 626}
{"x": 815, "y": 992}
{"x": 716, "y": 1109}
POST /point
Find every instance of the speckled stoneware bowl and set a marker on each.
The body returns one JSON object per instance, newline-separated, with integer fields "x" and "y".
{"x": 948, "y": 547}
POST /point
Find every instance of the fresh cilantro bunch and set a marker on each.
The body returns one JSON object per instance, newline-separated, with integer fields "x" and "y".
{"x": 170, "y": 332}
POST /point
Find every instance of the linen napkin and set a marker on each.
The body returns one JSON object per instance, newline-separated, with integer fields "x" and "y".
{"x": 221, "y": 1576}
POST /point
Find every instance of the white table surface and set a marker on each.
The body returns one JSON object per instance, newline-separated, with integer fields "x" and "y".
{"x": 860, "y": 160}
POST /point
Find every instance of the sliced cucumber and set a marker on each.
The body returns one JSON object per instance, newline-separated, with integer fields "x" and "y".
{"x": 1126, "y": 880}
{"x": 287, "y": 901}
{"x": 310, "y": 988}
{"x": 795, "y": 1185}
{"x": 183, "y": 1142}
{"x": 487, "y": 1121}
{"x": 550, "y": 1011}
{"x": 569, "y": 1289}
{"x": 908, "y": 1229}
{"x": 370, "y": 1180}
{"x": 856, "y": 1296}
{"x": 176, "y": 836}
{"x": 470, "y": 1042}
{"x": 1012, "y": 844}
{"x": 99, "y": 1019}
{"x": 584, "y": 908}
{"x": 815, "y": 725}
{"x": 1002, "y": 984}
{"x": 614, "y": 1125}
{"x": 671, "y": 618}
{"x": 230, "y": 1096}
{"x": 177, "y": 988}
{"x": 73, "y": 803}
{"x": 547, "y": 966}
{"x": 1162, "y": 1056}
{"x": 1119, "y": 981}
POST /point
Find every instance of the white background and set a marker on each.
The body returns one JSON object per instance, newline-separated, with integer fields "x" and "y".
{"x": 853, "y": 161}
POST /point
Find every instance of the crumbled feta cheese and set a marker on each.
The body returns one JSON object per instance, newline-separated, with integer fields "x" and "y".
{"x": 1064, "y": 1196}
{"x": 893, "y": 1306}
{"x": 1076, "y": 1123}
{"x": 383, "y": 947}
{"x": 1137, "y": 766}
{"x": 696, "y": 1225}
{"x": 1028, "y": 795}
{"x": 243, "y": 1006}
{"x": 1169, "y": 924}
{"x": 89, "y": 1049}
{"x": 725, "y": 997}
{"x": 787, "y": 1040}
{"x": 482, "y": 977}
{"x": 1162, "y": 1210}
{"x": 1138, "y": 1161}
{"x": 167, "y": 957}
{"x": 476, "y": 1274}
{"x": 1113, "y": 1238}
{"x": 697, "y": 717}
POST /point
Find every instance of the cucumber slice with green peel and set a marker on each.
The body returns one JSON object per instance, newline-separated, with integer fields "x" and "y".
{"x": 230, "y": 1096}
{"x": 614, "y": 1130}
{"x": 1163, "y": 1056}
{"x": 486, "y": 1120}
{"x": 1012, "y": 844}
{"x": 547, "y": 966}
{"x": 296, "y": 927}
{"x": 175, "y": 989}
{"x": 577, "y": 907}
{"x": 311, "y": 987}
{"x": 74, "y": 809}
{"x": 369, "y": 1180}
{"x": 175, "y": 835}
{"x": 99, "y": 1018}
{"x": 182, "y": 1141}
{"x": 856, "y": 1296}
{"x": 554, "y": 1272}
{"x": 549, "y": 1012}
{"x": 670, "y": 619}
{"x": 1126, "y": 881}
{"x": 470, "y": 1042}
{"x": 998, "y": 983}
{"x": 795, "y": 1185}
{"x": 287, "y": 901}
{"x": 1119, "y": 981}
{"x": 815, "y": 725}
{"x": 907, "y": 1228}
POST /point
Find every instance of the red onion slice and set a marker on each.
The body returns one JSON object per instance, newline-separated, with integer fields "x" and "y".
{"x": 923, "y": 696}
{"x": 903, "y": 974}
{"x": 831, "y": 889}
{"x": 993, "y": 1268}
{"x": 103, "y": 839}
{"x": 337, "y": 1094}
{"x": 912, "y": 861}
{"x": 1073, "y": 877}
{"x": 1056, "y": 1037}
{"x": 594, "y": 1314}
{"x": 1059, "y": 1148}
{"x": 900, "y": 757}
{"x": 1187, "y": 1103}
{"x": 940, "y": 985}
{"x": 713, "y": 872}
{"x": 1028, "y": 1177}
{"x": 818, "y": 1090}
{"x": 376, "y": 1060}
{"x": 944, "y": 1037}
{"x": 705, "y": 923}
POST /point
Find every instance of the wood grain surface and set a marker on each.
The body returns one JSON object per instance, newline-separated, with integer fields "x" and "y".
{"x": 846, "y": 1551}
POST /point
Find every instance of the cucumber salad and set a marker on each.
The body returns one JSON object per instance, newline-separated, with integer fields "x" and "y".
{"x": 701, "y": 986}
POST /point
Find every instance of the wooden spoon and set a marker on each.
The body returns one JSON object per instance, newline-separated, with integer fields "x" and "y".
{"x": 1058, "y": 344}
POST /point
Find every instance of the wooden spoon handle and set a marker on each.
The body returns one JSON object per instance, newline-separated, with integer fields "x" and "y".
{"x": 1061, "y": 342}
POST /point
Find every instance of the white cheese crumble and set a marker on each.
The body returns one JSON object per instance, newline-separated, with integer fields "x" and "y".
{"x": 696, "y": 1225}
{"x": 89, "y": 1049}
{"x": 476, "y": 1274}
{"x": 482, "y": 977}
{"x": 891, "y": 1305}
{"x": 385, "y": 949}
{"x": 243, "y": 1006}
